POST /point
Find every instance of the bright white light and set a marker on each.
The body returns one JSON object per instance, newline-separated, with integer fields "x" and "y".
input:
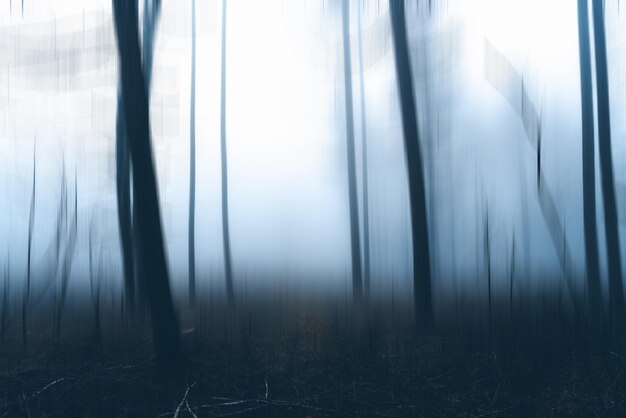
{"x": 538, "y": 36}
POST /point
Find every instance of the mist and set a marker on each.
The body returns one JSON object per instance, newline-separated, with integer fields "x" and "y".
{"x": 316, "y": 146}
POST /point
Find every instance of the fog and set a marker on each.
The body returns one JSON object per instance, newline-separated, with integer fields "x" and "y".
{"x": 286, "y": 135}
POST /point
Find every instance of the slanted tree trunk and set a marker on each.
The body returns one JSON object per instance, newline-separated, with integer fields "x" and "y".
{"x": 366, "y": 218}
{"x": 192, "y": 163}
{"x": 588, "y": 163}
{"x": 68, "y": 256}
{"x": 417, "y": 195}
{"x": 31, "y": 224}
{"x": 149, "y": 238}
{"x": 126, "y": 214}
{"x": 355, "y": 240}
{"x": 228, "y": 273}
{"x": 616, "y": 295}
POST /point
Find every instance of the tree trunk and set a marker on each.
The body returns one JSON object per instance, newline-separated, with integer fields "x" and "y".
{"x": 366, "y": 218}
{"x": 127, "y": 215}
{"x": 31, "y": 224}
{"x": 230, "y": 293}
{"x": 355, "y": 240}
{"x": 616, "y": 295}
{"x": 417, "y": 195}
{"x": 123, "y": 205}
{"x": 192, "y": 163}
{"x": 151, "y": 13}
{"x": 588, "y": 162}
{"x": 150, "y": 242}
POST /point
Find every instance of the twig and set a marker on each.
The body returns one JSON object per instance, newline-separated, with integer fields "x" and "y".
{"x": 242, "y": 411}
{"x": 232, "y": 402}
{"x": 26, "y": 405}
{"x": 189, "y": 409}
{"x": 184, "y": 400}
{"x": 130, "y": 366}
{"x": 48, "y": 386}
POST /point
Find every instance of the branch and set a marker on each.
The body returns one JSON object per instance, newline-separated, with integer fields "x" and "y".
{"x": 184, "y": 400}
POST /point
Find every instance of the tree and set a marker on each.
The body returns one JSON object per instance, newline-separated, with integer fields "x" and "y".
{"x": 68, "y": 251}
{"x": 228, "y": 273}
{"x": 192, "y": 163}
{"x": 588, "y": 163}
{"x": 124, "y": 204}
{"x": 127, "y": 215}
{"x": 149, "y": 235}
{"x": 355, "y": 241}
{"x": 417, "y": 194}
{"x": 31, "y": 224}
{"x": 366, "y": 219}
{"x": 616, "y": 293}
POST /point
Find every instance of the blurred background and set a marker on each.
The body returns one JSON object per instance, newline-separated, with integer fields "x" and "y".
{"x": 286, "y": 135}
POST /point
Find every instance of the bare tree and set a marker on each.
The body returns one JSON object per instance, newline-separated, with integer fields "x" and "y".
{"x": 31, "y": 224}
{"x": 122, "y": 159}
{"x": 5, "y": 302}
{"x": 94, "y": 284}
{"x": 127, "y": 213}
{"x": 149, "y": 236}
{"x": 228, "y": 273}
{"x": 355, "y": 240}
{"x": 192, "y": 163}
{"x": 68, "y": 257}
{"x": 366, "y": 218}
{"x": 616, "y": 292}
{"x": 417, "y": 195}
{"x": 588, "y": 163}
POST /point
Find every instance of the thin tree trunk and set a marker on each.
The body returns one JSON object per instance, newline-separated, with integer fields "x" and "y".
{"x": 355, "y": 240}
{"x": 124, "y": 205}
{"x": 366, "y": 218}
{"x": 588, "y": 162}
{"x": 487, "y": 254}
{"x": 417, "y": 195}
{"x": 230, "y": 292}
{"x": 149, "y": 233}
{"x": 616, "y": 295}
{"x": 5, "y": 305}
{"x": 31, "y": 224}
{"x": 68, "y": 256}
{"x": 192, "y": 163}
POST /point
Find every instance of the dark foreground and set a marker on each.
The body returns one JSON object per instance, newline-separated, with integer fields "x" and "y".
{"x": 308, "y": 365}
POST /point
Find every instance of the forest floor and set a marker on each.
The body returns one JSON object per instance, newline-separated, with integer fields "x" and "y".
{"x": 307, "y": 366}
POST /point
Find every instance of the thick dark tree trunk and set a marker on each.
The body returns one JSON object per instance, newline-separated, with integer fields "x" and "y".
{"x": 152, "y": 10}
{"x": 149, "y": 238}
{"x": 417, "y": 194}
{"x": 588, "y": 162}
{"x": 192, "y": 163}
{"x": 127, "y": 214}
{"x": 616, "y": 295}
{"x": 366, "y": 217}
{"x": 228, "y": 273}
{"x": 355, "y": 240}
